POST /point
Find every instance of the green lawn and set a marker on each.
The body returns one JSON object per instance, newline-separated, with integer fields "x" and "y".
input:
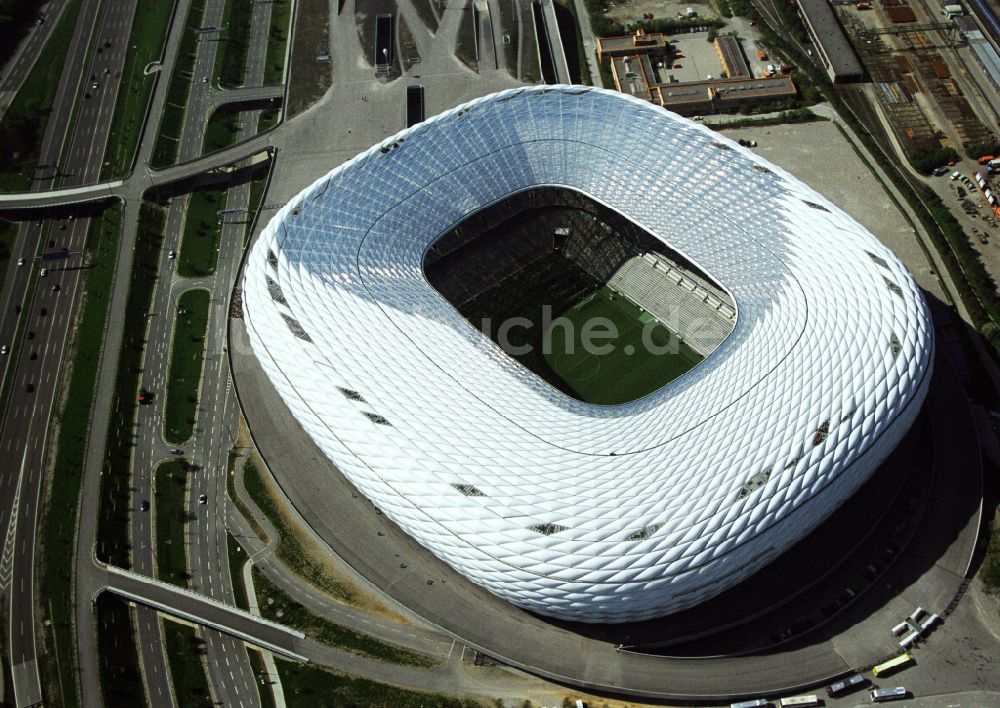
{"x": 59, "y": 525}
{"x": 202, "y": 231}
{"x": 277, "y": 606}
{"x": 170, "y": 487}
{"x": 145, "y": 45}
{"x": 172, "y": 121}
{"x": 231, "y": 56}
{"x": 307, "y": 686}
{"x": 268, "y": 119}
{"x": 618, "y": 369}
{"x": 187, "y": 671}
{"x": 186, "y": 357}
{"x": 114, "y": 510}
{"x": 23, "y": 125}
{"x": 221, "y": 129}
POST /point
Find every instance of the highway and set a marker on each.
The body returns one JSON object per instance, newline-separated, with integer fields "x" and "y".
{"x": 35, "y": 374}
{"x": 227, "y": 661}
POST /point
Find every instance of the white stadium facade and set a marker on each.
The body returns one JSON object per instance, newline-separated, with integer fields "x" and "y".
{"x": 583, "y": 512}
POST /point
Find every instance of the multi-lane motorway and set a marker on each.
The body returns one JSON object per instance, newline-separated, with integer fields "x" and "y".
{"x": 229, "y": 666}
{"x": 76, "y": 131}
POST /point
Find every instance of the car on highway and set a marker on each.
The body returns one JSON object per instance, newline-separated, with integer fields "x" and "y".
{"x": 3, "y": 349}
{"x": 55, "y": 288}
{"x": 31, "y": 335}
{"x": 44, "y": 311}
{"x": 29, "y": 388}
{"x": 203, "y": 499}
{"x": 33, "y": 356}
{"x": 20, "y": 261}
{"x": 172, "y": 255}
{"x": 145, "y": 397}
{"x": 43, "y": 272}
{"x": 144, "y": 505}
{"x": 176, "y": 451}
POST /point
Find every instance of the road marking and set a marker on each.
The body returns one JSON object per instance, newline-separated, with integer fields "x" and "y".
{"x": 7, "y": 561}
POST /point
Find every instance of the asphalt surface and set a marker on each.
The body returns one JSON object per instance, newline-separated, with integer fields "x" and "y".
{"x": 227, "y": 661}
{"x": 74, "y": 133}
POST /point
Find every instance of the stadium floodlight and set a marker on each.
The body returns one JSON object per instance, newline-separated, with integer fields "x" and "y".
{"x": 595, "y": 513}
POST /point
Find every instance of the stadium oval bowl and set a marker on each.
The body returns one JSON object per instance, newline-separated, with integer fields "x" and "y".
{"x": 576, "y": 511}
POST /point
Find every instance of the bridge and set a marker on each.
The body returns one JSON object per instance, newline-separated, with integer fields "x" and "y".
{"x": 202, "y": 609}
{"x": 133, "y": 186}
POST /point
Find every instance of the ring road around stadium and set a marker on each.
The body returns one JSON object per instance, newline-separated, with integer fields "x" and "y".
{"x": 422, "y": 309}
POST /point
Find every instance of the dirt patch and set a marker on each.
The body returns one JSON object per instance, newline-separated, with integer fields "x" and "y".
{"x": 408, "y": 53}
{"x": 365, "y": 14}
{"x": 310, "y": 75}
{"x": 625, "y": 11}
{"x": 465, "y": 44}
{"x": 425, "y": 8}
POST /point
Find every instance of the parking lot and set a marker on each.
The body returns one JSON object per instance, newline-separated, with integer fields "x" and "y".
{"x": 819, "y": 155}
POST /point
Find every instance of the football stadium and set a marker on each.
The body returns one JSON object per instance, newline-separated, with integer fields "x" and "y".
{"x": 602, "y": 361}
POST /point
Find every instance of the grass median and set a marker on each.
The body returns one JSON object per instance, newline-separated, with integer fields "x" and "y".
{"x": 263, "y": 679}
{"x": 186, "y": 358}
{"x": 113, "y": 513}
{"x": 170, "y": 488}
{"x": 187, "y": 670}
{"x": 202, "y": 232}
{"x": 221, "y": 129}
{"x": 58, "y": 528}
{"x": 277, "y": 606}
{"x": 22, "y": 127}
{"x": 277, "y": 38}
{"x": 8, "y": 235}
{"x": 145, "y": 45}
{"x": 117, "y": 656}
{"x": 237, "y": 557}
{"x": 306, "y": 686}
{"x": 231, "y": 57}
{"x": 171, "y": 126}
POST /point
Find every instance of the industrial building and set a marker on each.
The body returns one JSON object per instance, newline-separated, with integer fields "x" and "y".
{"x": 834, "y": 49}
{"x": 731, "y": 55}
{"x": 637, "y": 76}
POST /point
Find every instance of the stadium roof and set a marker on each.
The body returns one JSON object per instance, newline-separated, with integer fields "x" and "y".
{"x": 577, "y": 511}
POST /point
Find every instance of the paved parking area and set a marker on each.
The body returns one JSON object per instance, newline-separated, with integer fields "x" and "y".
{"x": 820, "y": 155}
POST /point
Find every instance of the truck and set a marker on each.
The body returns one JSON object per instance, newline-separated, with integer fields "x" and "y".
{"x": 986, "y": 159}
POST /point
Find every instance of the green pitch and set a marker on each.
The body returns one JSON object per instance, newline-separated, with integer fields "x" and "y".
{"x": 624, "y": 367}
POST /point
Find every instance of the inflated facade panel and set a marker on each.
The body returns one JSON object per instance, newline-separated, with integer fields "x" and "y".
{"x": 583, "y": 512}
